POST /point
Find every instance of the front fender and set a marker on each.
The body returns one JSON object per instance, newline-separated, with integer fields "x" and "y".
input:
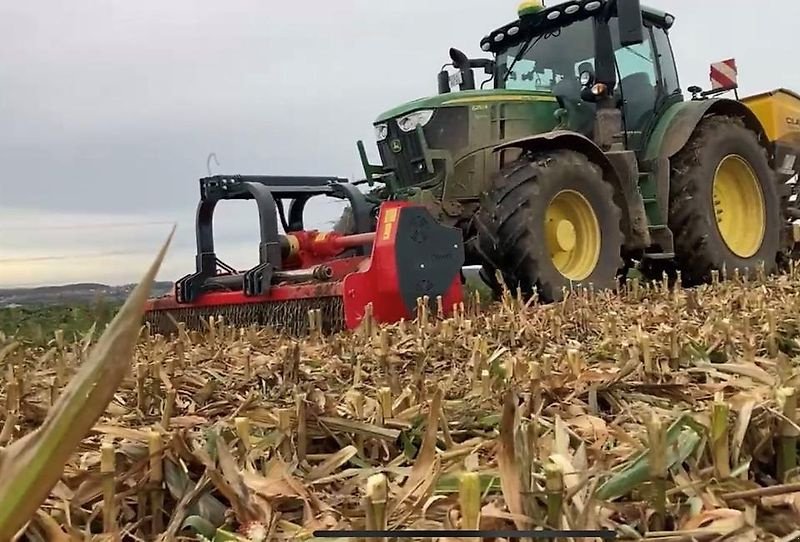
{"x": 538, "y": 139}
{"x": 565, "y": 139}
{"x": 622, "y": 176}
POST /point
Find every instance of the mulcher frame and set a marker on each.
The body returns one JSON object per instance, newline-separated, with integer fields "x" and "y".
{"x": 270, "y": 193}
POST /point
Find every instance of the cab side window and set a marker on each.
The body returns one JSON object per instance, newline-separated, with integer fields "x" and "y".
{"x": 666, "y": 61}
{"x": 637, "y": 59}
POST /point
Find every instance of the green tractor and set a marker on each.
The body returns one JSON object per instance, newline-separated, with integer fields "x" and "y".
{"x": 578, "y": 156}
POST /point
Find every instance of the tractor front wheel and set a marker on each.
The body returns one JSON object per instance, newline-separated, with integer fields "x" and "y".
{"x": 549, "y": 222}
{"x": 724, "y": 203}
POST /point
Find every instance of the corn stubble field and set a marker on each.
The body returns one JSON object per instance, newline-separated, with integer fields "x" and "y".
{"x": 659, "y": 412}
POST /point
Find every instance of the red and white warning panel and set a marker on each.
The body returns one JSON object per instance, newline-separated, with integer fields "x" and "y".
{"x": 724, "y": 75}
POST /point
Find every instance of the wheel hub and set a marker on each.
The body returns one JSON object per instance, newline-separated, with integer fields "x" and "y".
{"x": 739, "y": 207}
{"x": 565, "y": 235}
{"x": 572, "y": 235}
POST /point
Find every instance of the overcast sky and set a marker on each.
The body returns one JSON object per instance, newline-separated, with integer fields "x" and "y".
{"x": 110, "y": 108}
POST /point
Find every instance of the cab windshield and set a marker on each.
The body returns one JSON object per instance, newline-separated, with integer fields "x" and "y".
{"x": 552, "y": 62}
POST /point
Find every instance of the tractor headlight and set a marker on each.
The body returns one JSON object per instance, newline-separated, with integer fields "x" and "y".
{"x": 381, "y": 131}
{"x": 410, "y": 122}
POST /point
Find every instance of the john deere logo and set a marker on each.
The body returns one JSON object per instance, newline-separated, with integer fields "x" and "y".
{"x": 396, "y": 146}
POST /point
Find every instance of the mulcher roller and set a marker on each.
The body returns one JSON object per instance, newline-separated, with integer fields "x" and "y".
{"x": 303, "y": 276}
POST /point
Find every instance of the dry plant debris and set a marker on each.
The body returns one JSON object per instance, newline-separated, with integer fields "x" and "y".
{"x": 659, "y": 412}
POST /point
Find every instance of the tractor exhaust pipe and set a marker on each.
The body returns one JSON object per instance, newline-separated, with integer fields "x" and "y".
{"x": 443, "y": 82}
{"x": 461, "y": 63}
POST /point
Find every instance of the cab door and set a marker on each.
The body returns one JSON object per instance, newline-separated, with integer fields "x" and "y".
{"x": 637, "y": 87}
{"x": 648, "y": 81}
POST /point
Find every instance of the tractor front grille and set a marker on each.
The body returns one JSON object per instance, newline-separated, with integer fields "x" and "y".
{"x": 401, "y": 151}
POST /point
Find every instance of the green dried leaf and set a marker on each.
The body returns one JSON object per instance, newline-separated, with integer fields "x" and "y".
{"x": 225, "y": 536}
{"x": 179, "y": 483}
{"x": 205, "y": 530}
{"x": 200, "y": 526}
{"x": 489, "y": 482}
{"x": 406, "y": 441}
{"x": 682, "y": 439}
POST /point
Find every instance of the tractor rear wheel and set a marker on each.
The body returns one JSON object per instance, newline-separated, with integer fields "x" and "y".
{"x": 724, "y": 203}
{"x": 550, "y": 222}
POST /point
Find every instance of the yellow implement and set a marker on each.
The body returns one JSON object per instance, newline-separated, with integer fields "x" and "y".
{"x": 779, "y": 113}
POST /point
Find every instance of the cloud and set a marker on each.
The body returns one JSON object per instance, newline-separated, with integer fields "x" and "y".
{"x": 111, "y": 97}
{"x": 43, "y": 247}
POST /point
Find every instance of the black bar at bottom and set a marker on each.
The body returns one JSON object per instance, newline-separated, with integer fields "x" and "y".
{"x": 407, "y": 533}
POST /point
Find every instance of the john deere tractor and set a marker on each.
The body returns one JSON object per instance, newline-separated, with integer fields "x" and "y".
{"x": 578, "y": 155}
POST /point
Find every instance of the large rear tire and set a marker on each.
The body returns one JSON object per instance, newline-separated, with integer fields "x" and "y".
{"x": 724, "y": 202}
{"x": 548, "y": 222}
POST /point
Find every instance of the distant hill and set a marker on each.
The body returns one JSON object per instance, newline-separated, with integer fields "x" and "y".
{"x": 87, "y": 292}
{"x": 72, "y": 294}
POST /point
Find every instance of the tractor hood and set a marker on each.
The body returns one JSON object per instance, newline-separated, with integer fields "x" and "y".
{"x": 467, "y": 97}
{"x": 440, "y": 137}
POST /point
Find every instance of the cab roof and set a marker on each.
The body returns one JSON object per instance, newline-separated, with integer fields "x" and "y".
{"x": 551, "y": 18}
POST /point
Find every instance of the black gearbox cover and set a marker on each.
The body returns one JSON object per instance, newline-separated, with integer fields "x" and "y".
{"x": 429, "y": 256}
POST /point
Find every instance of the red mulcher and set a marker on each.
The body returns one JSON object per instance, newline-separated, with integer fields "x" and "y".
{"x": 390, "y": 261}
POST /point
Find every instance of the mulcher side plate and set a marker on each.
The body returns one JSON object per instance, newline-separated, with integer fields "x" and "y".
{"x": 413, "y": 256}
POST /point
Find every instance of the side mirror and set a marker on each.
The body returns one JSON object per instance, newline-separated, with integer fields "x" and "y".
{"x": 631, "y": 28}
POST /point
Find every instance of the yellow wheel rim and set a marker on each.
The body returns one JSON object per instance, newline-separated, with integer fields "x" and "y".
{"x": 572, "y": 234}
{"x": 739, "y": 206}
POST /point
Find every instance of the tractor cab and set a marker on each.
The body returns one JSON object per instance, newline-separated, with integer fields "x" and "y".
{"x": 580, "y": 52}
{"x": 586, "y": 53}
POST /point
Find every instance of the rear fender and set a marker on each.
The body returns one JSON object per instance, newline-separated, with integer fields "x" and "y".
{"x": 624, "y": 181}
{"x": 679, "y": 122}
